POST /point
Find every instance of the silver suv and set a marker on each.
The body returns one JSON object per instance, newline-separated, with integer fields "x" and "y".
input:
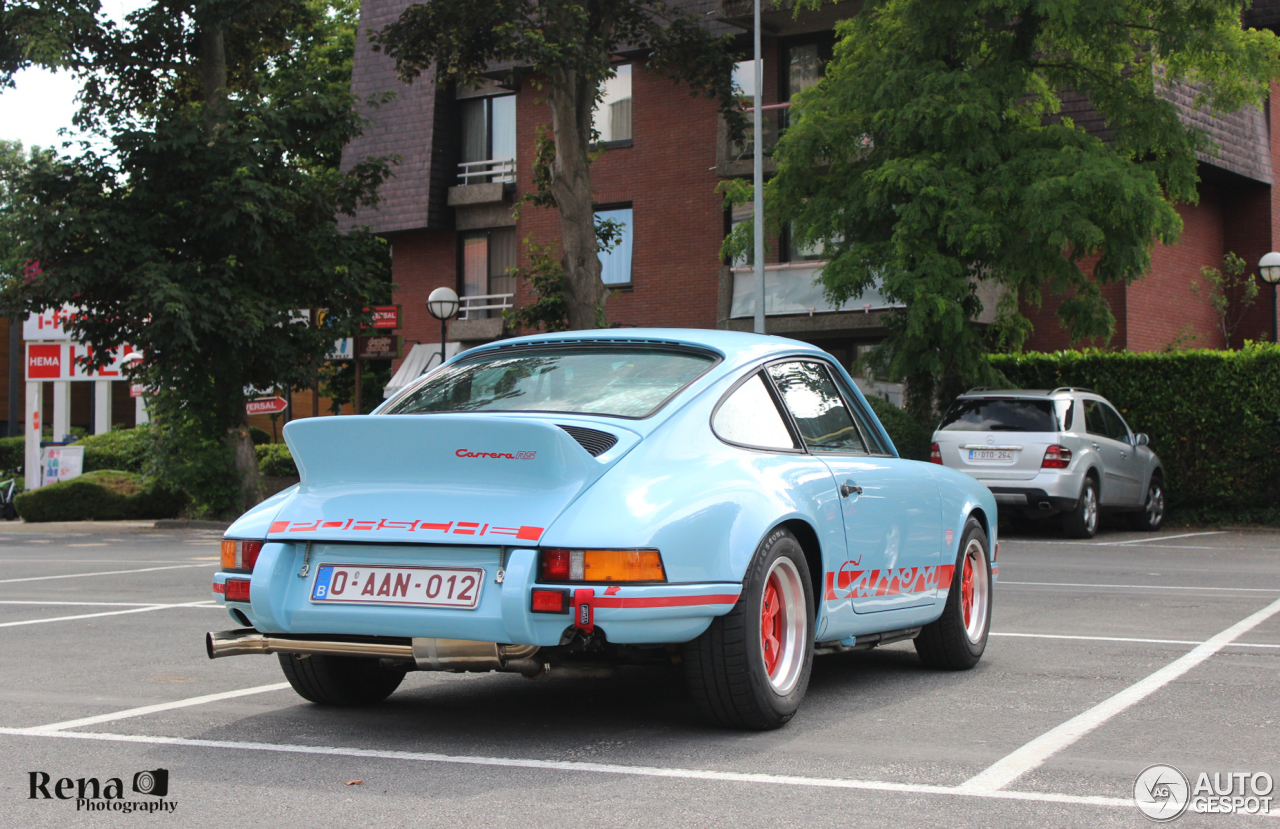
{"x": 1064, "y": 452}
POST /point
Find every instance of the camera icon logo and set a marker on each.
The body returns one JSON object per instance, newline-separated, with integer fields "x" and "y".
{"x": 154, "y": 782}
{"x": 1161, "y": 792}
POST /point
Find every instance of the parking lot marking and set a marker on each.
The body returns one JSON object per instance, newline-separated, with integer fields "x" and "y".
{"x": 150, "y": 709}
{"x": 1127, "y": 639}
{"x": 147, "y": 609}
{"x": 103, "y": 573}
{"x": 1004, "y": 583}
{"x": 596, "y": 768}
{"x": 1158, "y": 538}
{"x": 1031, "y": 755}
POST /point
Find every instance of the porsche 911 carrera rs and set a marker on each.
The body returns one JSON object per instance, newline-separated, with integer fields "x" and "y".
{"x": 570, "y": 503}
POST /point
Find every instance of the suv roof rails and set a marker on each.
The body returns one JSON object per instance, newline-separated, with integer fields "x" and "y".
{"x": 1072, "y": 388}
{"x": 981, "y": 388}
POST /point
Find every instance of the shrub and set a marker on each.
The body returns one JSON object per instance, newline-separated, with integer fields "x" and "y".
{"x": 275, "y": 460}
{"x": 105, "y": 495}
{"x": 186, "y": 459}
{"x": 1213, "y": 417}
{"x": 124, "y": 449}
{"x": 12, "y": 452}
{"x": 259, "y": 436}
{"x": 909, "y": 437}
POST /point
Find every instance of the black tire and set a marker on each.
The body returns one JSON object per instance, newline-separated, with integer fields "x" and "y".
{"x": 726, "y": 668}
{"x": 1082, "y": 522}
{"x": 949, "y": 643}
{"x": 1151, "y": 518}
{"x": 340, "y": 680}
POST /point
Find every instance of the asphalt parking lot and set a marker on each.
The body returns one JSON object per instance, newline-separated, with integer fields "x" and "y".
{"x": 1107, "y": 656}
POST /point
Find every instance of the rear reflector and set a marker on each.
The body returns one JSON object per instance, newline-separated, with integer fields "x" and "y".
{"x": 602, "y": 566}
{"x": 935, "y": 454}
{"x": 550, "y": 601}
{"x": 1056, "y": 457}
{"x": 219, "y": 587}
{"x": 237, "y": 590}
{"x": 240, "y": 555}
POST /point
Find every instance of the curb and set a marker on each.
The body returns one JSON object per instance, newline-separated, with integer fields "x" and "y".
{"x": 183, "y": 524}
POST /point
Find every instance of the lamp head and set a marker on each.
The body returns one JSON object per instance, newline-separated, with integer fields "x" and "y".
{"x": 443, "y": 303}
{"x": 1269, "y": 268}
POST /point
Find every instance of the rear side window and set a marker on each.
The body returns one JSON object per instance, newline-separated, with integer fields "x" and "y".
{"x": 1116, "y": 429}
{"x": 1094, "y": 420}
{"x": 819, "y": 410}
{"x": 1005, "y": 414}
{"x": 751, "y": 418}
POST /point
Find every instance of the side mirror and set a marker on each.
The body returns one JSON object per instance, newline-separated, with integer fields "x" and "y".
{"x": 1141, "y": 439}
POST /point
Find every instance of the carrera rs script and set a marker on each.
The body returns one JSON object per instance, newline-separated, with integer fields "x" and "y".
{"x": 518, "y": 456}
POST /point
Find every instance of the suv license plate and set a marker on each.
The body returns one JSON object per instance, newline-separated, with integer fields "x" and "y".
{"x": 456, "y": 587}
{"x": 990, "y": 454}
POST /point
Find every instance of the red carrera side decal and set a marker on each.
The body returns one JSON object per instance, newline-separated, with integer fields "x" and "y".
{"x": 863, "y": 584}
{"x": 472, "y": 528}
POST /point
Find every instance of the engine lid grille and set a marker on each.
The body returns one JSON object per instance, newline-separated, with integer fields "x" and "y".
{"x": 594, "y": 441}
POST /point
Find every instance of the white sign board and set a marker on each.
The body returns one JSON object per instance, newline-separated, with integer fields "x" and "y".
{"x": 343, "y": 349}
{"x": 49, "y": 325}
{"x": 60, "y": 463}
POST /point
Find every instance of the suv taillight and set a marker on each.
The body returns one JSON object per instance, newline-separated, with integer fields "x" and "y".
{"x": 1056, "y": 457}
{"x": 935, "y": 454}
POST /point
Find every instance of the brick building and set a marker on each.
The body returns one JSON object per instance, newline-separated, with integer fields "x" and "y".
{"x": 466, "y": 155}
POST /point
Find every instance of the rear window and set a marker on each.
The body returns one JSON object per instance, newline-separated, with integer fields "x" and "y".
{"x": 1000, "y": 415}
{"x": 620, "y": 381}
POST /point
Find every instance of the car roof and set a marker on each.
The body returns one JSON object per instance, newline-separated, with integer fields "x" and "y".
{"x": 976, "y": 394}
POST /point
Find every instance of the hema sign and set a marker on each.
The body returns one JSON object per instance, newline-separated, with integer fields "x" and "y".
{"x": 63, "y": 361}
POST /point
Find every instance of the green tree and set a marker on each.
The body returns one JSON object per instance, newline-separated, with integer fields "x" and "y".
{"x": 12, "y": 164}
{"x": 1232, "y": 291}
{"x": 211, "y": 220}
{"x": 934, "y": 154}
{"x": 567, "y": 48}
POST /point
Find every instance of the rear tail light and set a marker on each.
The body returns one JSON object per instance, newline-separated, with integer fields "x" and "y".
{"x": 602, "y": 565}
{"x": 935, "y": 454}
{"x": 1056, "y": 457}
{"x": 240, "y": 555}
{"x": 549, "y": 601}
{"x": 237, "y": 590}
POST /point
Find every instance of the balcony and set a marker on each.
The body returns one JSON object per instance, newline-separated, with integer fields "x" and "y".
{"x": 484, "y": 194}
{"x": 491, "y": 171}
{"x": 789, "y": 289}
{"x": 480, "y": 318}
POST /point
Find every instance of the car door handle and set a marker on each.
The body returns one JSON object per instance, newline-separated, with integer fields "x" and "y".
{"x": 1124, "y": 455}
{"x": 1096, "y": 446}
{"x": 849, "y": 489}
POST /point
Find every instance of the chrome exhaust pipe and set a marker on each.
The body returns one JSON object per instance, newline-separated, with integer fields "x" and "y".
{"x": 426, "y": 654}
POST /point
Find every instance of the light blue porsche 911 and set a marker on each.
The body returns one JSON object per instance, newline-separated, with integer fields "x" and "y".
{"x": 576, "y": 502}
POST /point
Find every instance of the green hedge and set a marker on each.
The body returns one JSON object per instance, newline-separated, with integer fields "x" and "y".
{"x": 1213, "y": 417}
{"x": 105, "y": 495}
{"x": 274, "y": 460}
{"x": 910, "y": 438}
{"x": 13, "y": 453}
{"x": 124, "y": 449}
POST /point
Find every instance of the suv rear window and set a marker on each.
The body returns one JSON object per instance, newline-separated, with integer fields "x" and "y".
{"x": 1000, "y": 415}
{"x": 622, "y": 381}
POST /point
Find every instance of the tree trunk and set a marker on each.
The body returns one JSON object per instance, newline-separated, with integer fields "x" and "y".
{"x": 212, "y": 56}
{"x": 572, "y": 100}
{"x": 246, "y": 462}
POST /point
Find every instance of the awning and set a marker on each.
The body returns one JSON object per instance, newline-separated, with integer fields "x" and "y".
{"x": 422, "y": 358}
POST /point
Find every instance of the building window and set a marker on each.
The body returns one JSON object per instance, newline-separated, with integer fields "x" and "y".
{"x": 612, "y": 119}
{"x": 488, "y": 140}
{"x": 487, "y": 255}
{"x": 615, "y": 263}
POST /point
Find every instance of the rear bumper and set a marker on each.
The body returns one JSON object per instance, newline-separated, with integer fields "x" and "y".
{"x": 280, "y": 601}
{"x": 1031, "y": 498}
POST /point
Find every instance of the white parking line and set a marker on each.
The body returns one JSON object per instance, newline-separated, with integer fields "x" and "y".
{"x": 102, "y": 573}
{"x": 595, "y": 768}
{"x": 1003, "y": 583}
{"x": 1126, "y": 639}
{"x": 1158, "y": 538}
{"x": 149, "y": 709}
{"x": 103, "y": 604}
{"x": 1006, "y": 770}
{"x": 146, "y": 609}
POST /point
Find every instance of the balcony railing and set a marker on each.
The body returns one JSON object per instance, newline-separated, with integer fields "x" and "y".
{"x": 790, "y": 289}
{"x": 494, "y": 170}
{"x": 774, "y": 119}
{"x": 478, "y": 307}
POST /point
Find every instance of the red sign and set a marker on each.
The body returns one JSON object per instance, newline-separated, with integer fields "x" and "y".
{"x": 137, "y": 390}
{"x": 385, "y": 316}
{"x": 266, "y": 405}
{"x": 44, "y": 362}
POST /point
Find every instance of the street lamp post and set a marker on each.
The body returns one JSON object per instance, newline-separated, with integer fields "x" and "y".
{"x": 443, "y": 305}
{"x": 1269, "y": 269}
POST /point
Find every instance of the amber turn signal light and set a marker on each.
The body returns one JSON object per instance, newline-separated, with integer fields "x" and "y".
{"x": 240, "y": 555}
{"x": 602, "y": 565}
